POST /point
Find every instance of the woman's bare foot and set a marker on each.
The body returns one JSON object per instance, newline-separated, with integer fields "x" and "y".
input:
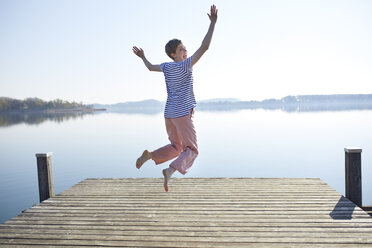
{"x": 167, "y": 173}
{"x": 166, "y": 178}
{"x": 146, "y": 155}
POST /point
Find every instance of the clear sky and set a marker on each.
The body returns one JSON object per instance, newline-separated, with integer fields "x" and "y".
{"x": 80, "y": 50}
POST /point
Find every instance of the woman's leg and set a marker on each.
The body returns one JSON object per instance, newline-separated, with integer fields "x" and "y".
{"x": 171, "y": 150}
{"x": 186, "y": 132}
{"x": 166, "y": 152}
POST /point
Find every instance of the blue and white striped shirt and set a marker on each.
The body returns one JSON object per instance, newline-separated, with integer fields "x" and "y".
{"x": 179, "y": 81}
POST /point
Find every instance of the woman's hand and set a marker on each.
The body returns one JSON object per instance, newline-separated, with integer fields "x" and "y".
{"x": 139, "y": 52}
{"x": 213, "y": 15}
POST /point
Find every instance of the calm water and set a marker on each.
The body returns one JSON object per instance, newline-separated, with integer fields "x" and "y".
{"x": 247, "y": 143}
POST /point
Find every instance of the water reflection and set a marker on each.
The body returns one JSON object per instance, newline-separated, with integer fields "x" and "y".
{"x": 36, "y": 118}
{"x": 152, "y": 107}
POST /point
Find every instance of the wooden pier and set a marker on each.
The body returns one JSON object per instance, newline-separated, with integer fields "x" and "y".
{"x": 197, "y": 212}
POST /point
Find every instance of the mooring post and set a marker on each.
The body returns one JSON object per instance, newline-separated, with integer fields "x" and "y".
{"x": 353, "y": 175}
{"x": 45, "y": 175}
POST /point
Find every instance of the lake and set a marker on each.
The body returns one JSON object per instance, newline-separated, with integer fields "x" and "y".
{"x": 245, "y": 143}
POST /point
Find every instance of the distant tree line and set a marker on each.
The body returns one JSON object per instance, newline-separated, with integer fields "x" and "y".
{"x": 36, "y": 104}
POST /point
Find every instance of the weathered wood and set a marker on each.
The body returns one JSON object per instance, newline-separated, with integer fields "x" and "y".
{"x": 45, "y": 175}
{"x": 197, "y": 212}
{"x": 247, "y": 238}
{"x": 148, "y": 226}
{"x": 171, "y": 243}
{"x": 353, "y": 175}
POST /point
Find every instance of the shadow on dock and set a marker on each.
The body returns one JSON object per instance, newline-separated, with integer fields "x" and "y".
{"x": 343, "y": 210}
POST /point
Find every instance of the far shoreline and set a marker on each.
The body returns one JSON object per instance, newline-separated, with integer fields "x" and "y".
{"x": 53, "y": 111}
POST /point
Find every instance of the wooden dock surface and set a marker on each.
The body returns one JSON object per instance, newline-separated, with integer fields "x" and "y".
{"x": 197, "y": 212}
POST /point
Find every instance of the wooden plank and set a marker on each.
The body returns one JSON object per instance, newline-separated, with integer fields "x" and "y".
{"x": 246, "y": 238}
{"x": 172, "y": 243}
{"x": 238, "y": 212}
{"x": 149, "y": 226}
{"x": 192, "y": 232}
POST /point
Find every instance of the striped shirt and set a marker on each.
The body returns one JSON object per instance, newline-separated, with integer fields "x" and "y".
{"x": 179, "y": 81}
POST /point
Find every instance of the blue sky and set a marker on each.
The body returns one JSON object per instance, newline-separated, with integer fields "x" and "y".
{"x": 80, "y": 50}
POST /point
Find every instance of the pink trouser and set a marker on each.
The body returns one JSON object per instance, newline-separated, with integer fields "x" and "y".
{"x": 182, "y": 135}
